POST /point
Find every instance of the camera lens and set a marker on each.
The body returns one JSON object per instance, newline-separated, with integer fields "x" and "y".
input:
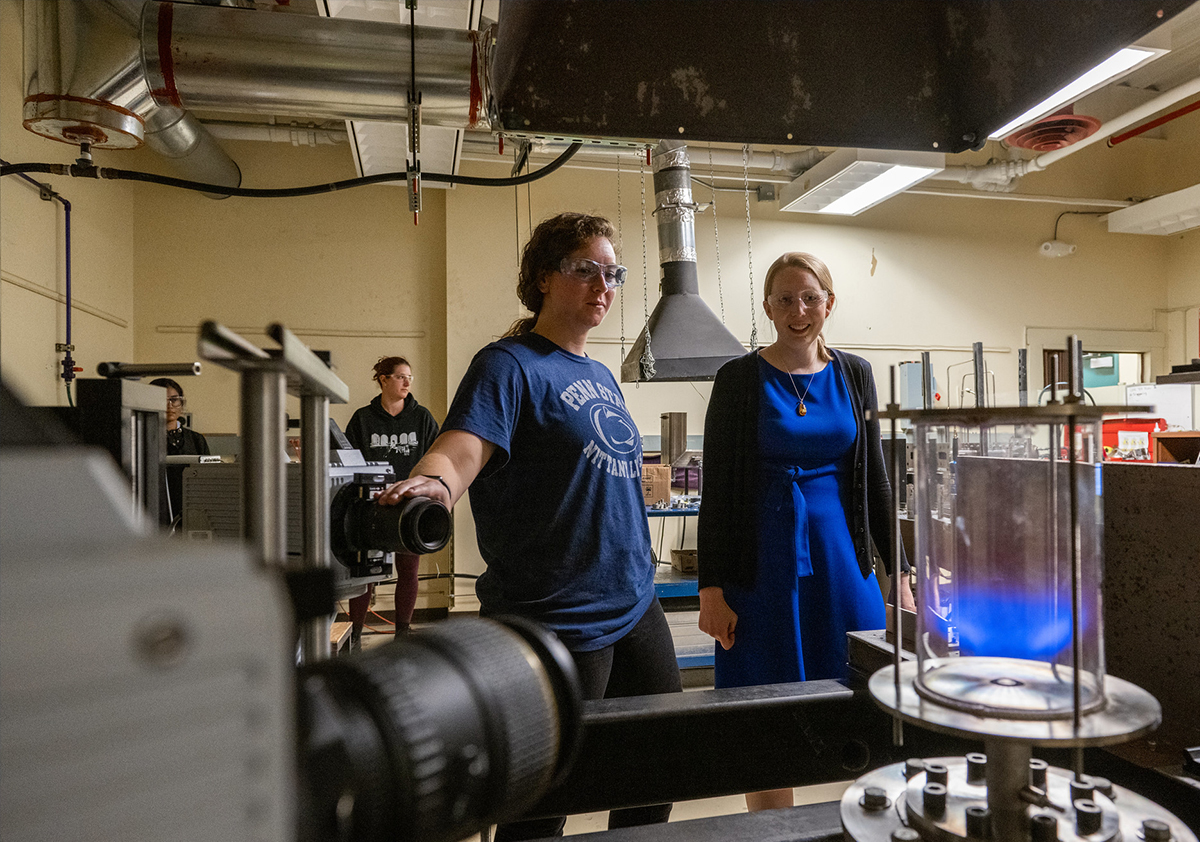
{"x": 418, "y": 525}
{"x": 357, "y": 524}
{"x": 459, "y": 726}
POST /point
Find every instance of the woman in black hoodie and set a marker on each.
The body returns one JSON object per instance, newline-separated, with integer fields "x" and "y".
{"x": 393, "y": 428}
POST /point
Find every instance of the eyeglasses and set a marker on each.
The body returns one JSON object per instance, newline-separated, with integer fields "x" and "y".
{"x": 176, "y": 400}
{"x": 582, "y": 269}
{"x": 401, "y": 378}
{"x": 809, "y": 300}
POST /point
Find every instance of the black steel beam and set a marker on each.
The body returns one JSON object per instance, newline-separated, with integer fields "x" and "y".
{"x": 655, "y": 749}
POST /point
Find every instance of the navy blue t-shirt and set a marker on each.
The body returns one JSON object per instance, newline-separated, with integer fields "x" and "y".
{"x": 559, "y": 512}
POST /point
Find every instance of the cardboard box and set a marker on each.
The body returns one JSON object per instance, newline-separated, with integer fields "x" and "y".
{"x": 656, "y": 484}
{"x": 684, "y": 560}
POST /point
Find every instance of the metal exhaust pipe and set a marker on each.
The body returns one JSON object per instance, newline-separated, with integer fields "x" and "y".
{"x": 248, "y": 62}
{"x": 684, "y": 339}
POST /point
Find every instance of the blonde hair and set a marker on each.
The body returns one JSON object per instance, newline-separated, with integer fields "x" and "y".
{"x": 816, "y": 267}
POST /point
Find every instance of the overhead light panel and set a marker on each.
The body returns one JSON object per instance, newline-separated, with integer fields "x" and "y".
{"x": 1168, "y": 214}
{"x": 1109, "y": 69}
{"x": 848, "y": 181}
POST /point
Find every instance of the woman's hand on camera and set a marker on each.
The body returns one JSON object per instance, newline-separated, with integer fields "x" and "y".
{"x": 445, "y": 471}
{"x": 414, "y": 487}
{"x": 717, "y": 619}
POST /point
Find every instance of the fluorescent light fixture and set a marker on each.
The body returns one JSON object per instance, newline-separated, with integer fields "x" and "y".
{"x": 1109, "y": 69}
{"x": 1167, "y": 214}
{"x": 848, "y": 181}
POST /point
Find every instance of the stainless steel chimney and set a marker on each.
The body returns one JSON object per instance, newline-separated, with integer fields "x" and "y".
{"x": 684, "y": 339}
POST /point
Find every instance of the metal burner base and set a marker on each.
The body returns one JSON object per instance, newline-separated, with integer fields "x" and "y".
{"x": 1122, "y": 814}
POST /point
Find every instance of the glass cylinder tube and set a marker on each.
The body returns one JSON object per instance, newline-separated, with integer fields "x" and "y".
{"x": 1009, "y": 558}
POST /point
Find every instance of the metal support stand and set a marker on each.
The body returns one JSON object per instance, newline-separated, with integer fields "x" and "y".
{"x": 264, "y": 378}
{"x": 314, "y": 510}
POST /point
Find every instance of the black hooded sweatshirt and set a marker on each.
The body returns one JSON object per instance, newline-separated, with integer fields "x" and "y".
{"x": 399, "y": 439}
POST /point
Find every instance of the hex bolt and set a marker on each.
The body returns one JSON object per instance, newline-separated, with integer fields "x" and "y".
{"x": 1156, "y": 830}
{"x": 1083, "y": 789}
{"x": 976, "y": 768}
{"x": 905, "y": 834}
{"x": 1088, "y": 817}
{"x": 874, "y": 799}
{"x": 1043, "y": 828}
{"x": 913, "y": 767}
{"x": 934, "y": 795}
{"x": 1037, "y": 773}
{"x": 979, "y": 822}
{"x": 937, "y": 773}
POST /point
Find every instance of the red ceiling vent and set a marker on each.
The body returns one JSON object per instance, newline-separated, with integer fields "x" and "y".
{"x": 1054, "y": 131}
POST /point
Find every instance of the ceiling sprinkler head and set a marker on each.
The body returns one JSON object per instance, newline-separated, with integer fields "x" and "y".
{"x": 1056, "y": 248}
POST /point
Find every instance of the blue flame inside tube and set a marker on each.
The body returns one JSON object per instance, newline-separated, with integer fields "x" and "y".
{"x": 1005, "y": 623}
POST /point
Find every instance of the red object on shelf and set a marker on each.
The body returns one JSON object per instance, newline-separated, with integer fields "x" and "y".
{"x": 1113, "y": 427}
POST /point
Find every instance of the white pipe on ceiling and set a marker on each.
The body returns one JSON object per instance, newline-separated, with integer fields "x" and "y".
{"x": 1003, "y": 174}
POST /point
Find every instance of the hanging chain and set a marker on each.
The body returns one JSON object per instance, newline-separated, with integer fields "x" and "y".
{"x": 749, "y": 243}
{"x": 620, "y": 252}
{"x": 712, "y": 177}
{"x": 647, "y": 361}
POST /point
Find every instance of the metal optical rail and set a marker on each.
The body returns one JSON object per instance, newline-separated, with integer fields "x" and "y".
{"x": 264, "y": 379}
{"x": 118, "y": 369}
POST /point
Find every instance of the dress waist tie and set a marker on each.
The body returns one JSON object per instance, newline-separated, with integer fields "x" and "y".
{"x": 786, "y": 493}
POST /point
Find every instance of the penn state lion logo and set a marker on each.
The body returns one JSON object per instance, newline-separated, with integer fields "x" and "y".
{"x": 613, "y": 429}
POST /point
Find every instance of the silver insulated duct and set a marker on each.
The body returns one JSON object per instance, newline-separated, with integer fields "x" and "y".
{"x": 684, "y": 339}
{"x": 84, "y": 83}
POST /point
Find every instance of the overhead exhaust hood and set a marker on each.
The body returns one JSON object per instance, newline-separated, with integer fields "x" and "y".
{"x": 683, "y": 339}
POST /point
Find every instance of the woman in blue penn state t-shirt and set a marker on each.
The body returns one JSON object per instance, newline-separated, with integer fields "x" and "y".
{"x": 541, "y": 435}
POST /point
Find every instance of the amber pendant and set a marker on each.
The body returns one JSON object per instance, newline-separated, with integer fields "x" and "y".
{"x": 801, "y": 409}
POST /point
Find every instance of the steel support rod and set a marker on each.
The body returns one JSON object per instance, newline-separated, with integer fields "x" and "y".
{"x": 221, "y": 345}
{"x": 264, "y": 478}
{"x": 314, "y": 498}
{"x": 897, "y": 552}
{"x": 980, "y": 377}
{"x": 926, "y": 381}
{"x": 1075, "y": 395}
{"x": 307, "y": 374}
{"x": 116, "y": 369}
{"x": 1023, "y": 377}
{"x": 1007, "y": 775}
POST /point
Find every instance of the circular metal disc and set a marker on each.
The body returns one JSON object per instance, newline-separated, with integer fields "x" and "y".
{"x": 1008, "y": 688}
{"x": 1128, "y": 713}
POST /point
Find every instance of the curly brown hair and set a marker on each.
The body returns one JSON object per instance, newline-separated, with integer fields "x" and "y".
{"x": 386, "y": 366}
{"x": 550, "y": 242}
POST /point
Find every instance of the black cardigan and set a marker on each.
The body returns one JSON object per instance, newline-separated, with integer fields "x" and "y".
{"x": 727, "y": 531}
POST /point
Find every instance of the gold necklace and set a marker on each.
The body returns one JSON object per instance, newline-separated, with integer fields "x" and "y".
{"x": 801, "y": 409}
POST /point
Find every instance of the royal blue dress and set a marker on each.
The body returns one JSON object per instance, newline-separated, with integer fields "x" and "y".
{"x": 809, "y": 590}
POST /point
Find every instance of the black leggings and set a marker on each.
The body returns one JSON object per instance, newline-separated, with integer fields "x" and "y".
{"x": 641, "y": 663}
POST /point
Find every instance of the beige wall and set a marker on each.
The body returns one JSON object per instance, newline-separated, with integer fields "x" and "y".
{"x": 32, "y": 252}
{"x": 347, "y": 272}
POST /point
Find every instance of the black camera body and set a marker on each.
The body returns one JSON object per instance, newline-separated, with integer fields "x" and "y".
{"x": 364, "y": 534}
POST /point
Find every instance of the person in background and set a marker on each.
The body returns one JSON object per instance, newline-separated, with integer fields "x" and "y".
{"x": 181, "y": 441}
{"x": 540, "y": 433}
{"x": 393, "y": 428}
{"x": 795, "y": 491}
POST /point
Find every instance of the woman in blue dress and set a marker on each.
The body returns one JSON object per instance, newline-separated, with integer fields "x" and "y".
{"x": 795, "y": 492}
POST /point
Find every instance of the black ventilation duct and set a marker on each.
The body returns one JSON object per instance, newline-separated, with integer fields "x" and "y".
{"x": 684, "y": 339}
